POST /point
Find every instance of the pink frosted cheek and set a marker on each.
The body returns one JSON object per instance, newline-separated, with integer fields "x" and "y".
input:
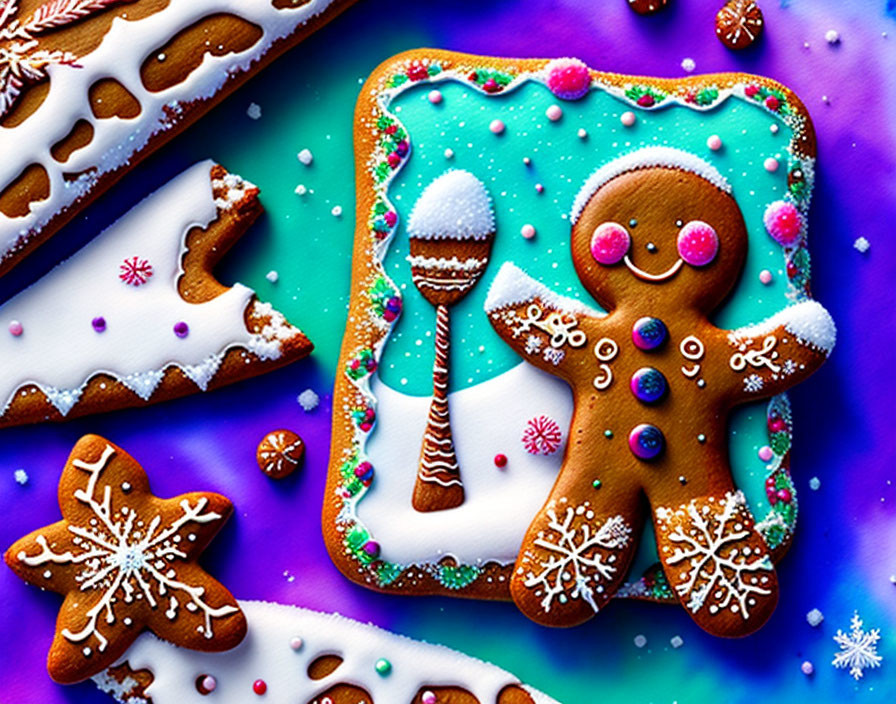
{"x": 698, "y": 243}
{"x": 610, "y": 243}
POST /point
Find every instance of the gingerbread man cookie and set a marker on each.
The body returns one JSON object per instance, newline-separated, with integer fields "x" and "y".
{"x": 126, "y": 560}
{"x": 659, "y": 241}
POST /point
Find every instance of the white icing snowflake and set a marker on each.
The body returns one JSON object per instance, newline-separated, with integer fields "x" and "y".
{"x": 126, "y": 558}
{"x": 21, "y": 61}
{"x": 789, "y": 367}
{"x": 716, "y": 568}
{"x": 533, "y": 344}
{"x": 553, "y": 356}
{"x": 577, "y": 560}
{"x": 753, "y": 383}
{"x": 858, "y": 648}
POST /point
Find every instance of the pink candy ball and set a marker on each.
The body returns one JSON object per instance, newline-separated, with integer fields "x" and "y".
{"x": 783, "y": 222}
{"x": 771, "y": 164}
{"x": 627, "y": 118}
{"x": 209, "y": 683}
{"x": 714, "y": 142}
{"x": 610, "y": 243}
{"x": 527, "y": 231}
{"x": 568, "y": 78}
{"x": 428, "y": 697}
{"x": 15, "y": 328}
{"x": 765, "y": 276}
{"x": 554, "y": 113}
{"x": 496, "y": 127}
{"x": 698, "y": 243}
{"x": 765, "y": 453}
{"x": 435, "y": 97}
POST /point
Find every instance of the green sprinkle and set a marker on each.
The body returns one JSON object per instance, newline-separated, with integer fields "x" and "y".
{"x": 701, "y": 438}
{"x": 596, "y": 483}
{"x": 383, "y": 667}
{"x": 608, "y": 433}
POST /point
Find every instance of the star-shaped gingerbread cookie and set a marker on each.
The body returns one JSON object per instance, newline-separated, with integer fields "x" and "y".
{"x": 126, "y": 561}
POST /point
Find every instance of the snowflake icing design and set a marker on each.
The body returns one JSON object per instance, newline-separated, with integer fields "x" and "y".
{"x": 135, "y": 271}
{"x": 542, "y": 436}
{"x": 578, "y": 558}
{"x": 533, "y": 344}
{"x": 858, "y": 648}
{"x": 554, "y": 356}
{"x": 753, "y": 383}
{"x": 715, "y": 568}
{"x": 21, "y": 61}
{"x": 127, "y": 559}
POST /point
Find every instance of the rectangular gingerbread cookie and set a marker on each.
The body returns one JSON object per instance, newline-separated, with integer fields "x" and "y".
{"x": 446, "y": 444}
{"x": 90, "y": 87}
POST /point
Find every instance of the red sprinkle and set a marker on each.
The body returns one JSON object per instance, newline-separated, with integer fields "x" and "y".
{"x": 259, "y": 687}
{"x": 500, "y": 460}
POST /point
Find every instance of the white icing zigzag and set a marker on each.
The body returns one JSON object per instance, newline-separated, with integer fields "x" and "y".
{"x": 642, "y": 159}
{"x": 454, "y": 206}
{"x": 115, "y": 141}
{"x": 60, "y": 350}
{"x": 267, "y": 654}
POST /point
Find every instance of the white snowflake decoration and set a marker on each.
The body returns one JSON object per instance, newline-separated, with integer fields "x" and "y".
{"x": 21, "y": 61}
{"x": 716, "y": 569}
{"x": 858, "y": 648}
{"x": 553, "y": 356}
{"x": 753, "y": 383}
{"x": 577, "y": 561}
{"x": 126, "y": 558}
{"x": 533, "y": 344}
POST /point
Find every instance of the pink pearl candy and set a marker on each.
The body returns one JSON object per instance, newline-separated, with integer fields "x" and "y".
{"x": 435, "y": 97}
{"x": 610, "y": 243}
{"x": 783, "y": 222}
{"x": 527, "y": 231}
{"x": 698, "y": 243}
{"x": 627, "y": 118}
{"x": 15, "y": 328}
{"x": 771, "y": 165}
{"x": 765, "y": 453}
{"x": 765, "y": 277}
{"x": 496, "y": 126}
{"x": 554, "y": 113}
{"x": 428, "y": 697}
{"x": 209, "y": 683}
{"x": 714, "y": 142}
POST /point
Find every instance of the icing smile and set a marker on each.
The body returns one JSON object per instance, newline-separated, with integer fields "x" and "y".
{"x": 647, "y": 276}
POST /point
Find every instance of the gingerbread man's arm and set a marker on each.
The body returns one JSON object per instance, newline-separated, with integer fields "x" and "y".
{"x": 549, "y": 331}
{"x": 770, "y": 357}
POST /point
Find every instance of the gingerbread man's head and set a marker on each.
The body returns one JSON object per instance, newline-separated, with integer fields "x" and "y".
{"x": 658, "y": 224}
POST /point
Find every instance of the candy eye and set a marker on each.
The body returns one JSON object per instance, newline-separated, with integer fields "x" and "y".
{"x": 610, "y": 243}
{"x": 698, "y": 243}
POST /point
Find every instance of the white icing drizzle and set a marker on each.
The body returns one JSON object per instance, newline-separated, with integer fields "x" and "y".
{"x": 266, "y": 654}
{"x": 668, "y": 157}
{"x": 452, "y": 264}
{"x": 59, "y": 350}
{"x": 115, "y": 141}
{"x": 454, "y": 206}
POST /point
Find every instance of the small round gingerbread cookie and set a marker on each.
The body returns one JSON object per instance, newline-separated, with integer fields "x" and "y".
{"x": 279, "y": 453}
{"x": 739, "y": 24}
{"x": 647, "y": 7}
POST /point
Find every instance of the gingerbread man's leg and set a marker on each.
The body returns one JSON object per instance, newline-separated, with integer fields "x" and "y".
{"x": 717, "y": 563}
{"x": 579, "y": 546}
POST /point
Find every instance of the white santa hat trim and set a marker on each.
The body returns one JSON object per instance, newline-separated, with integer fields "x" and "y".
{"x": 644, "y": 159}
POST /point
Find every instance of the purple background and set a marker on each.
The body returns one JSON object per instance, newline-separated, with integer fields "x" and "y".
{"x": 845, "y": 549}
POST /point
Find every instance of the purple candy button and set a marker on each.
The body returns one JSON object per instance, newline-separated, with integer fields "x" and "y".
{"x": 646, "y": 441}
{"x": 181, "y": 329}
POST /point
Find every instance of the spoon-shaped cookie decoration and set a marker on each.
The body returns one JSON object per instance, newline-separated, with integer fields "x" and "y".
{"x": 451, "y": 231}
